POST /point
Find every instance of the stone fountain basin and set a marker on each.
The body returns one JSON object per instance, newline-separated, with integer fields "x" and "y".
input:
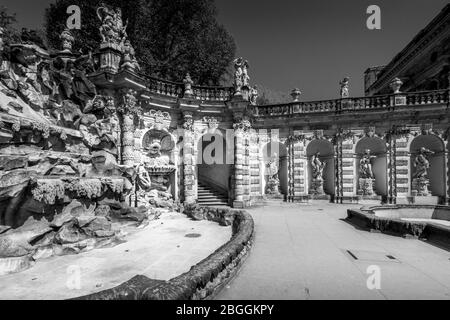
{"x": 419, "y": 213}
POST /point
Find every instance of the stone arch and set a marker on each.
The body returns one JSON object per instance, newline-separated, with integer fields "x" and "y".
{"x": 326, "y": 150}
{"x": 436, "y": 172}
{"x": 268, "y": 151}
{"x": 377, "y": 147}
{"x": 214, "y": 159}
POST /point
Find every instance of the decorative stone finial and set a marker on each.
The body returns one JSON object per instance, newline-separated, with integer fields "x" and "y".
{"x": 188, "y": 85}
{"x": 67, "y": 40}
{"x": 253, "y": 95}
{"x": 344, "y": 93}
{"x": 395, "y": 85}
{"x": 295, "y": 94}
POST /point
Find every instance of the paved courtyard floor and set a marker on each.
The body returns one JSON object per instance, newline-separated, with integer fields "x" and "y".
{"x": 159, "y": 251}
{"x": 300, "y": 252}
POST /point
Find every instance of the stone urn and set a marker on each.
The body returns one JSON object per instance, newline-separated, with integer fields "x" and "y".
{"x": 395, "y": 85}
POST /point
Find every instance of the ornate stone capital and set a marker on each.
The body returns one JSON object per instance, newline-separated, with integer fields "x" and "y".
{"x": 128, "y": 103}
{"x": 188, "y": 121}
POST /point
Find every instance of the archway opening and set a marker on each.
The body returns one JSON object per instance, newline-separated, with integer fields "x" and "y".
{"x": 436, "y": 169}
{"x": 377, "y": 148}
{"x": 325, "y": 151}
{"x": 213, "y": 162}
{"x": 274, "y": 154}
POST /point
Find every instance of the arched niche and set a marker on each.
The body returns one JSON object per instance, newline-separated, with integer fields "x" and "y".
{"x": 269, "y": 151}
{"x": 326, "y": 150}
{"x": 165, "y": 139}
{"x": 377, "y": 147}
{"x": 214, "y": 160}
{"x": 436, "y": 172}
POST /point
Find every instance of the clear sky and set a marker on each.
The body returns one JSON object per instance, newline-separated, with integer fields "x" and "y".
{"x": 310, "y": 44}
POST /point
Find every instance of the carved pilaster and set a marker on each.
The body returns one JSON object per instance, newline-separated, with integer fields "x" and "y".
{"x": 128, "y": 109}
{"x": 242, "y": 129}
{"x": 189, "y": 185}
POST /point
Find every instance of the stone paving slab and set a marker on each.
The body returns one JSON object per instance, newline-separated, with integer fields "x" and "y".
{"x": 299, "y": 252}
{"x": 159, "y": 251}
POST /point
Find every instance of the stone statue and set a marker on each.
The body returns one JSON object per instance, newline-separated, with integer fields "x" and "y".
{"x": 129, "y": 58}
{"x": 67, "y": 40}
{"x": 245, "y": 76}
{"x": 421, "y": 163}
{"x": 344, "y": 93}
{"x": 253, "y": 95}
{"x": 365, "y": 166}
{"x": 317, "y": 166}
{"x": 238, "y": 72}
{"x": 273, "y": 183}
{"x": 112, "y": 29}
{"x": 366, "y": 176}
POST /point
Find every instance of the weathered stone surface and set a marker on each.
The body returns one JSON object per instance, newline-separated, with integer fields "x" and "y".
{"x": 8, "y": 162}
{"x": 102, "y": 211}
{"x": 97, "y": 224}
{"x": 3, "y": 229}
{"x": 69, "y": 233}
{"x": 13, "y": 182}
{"x": 14, "y": 264}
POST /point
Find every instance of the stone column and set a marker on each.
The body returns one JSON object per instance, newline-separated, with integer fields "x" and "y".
{"x": 446, "y": 200}
{"x": 348, "y": 166}
{"x": 254, "y": 160}
{"x": 241, "y": 163}
{"x": 299, "y": 163}
{"x": 189, "y": 158}
{"x": 128, "y": 109}
{"x": 402, "y": 180}
{"x": 391, "y": 172}
{"x": 338, "y": 168}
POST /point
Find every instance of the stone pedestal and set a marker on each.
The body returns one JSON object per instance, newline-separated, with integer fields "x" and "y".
{"x": 110, "y": 57}
{"x": 366, "y": 187}
{"x": 420, "y": 187}
{"x": 273, "y": 187}
{"x": 316, "y": 188}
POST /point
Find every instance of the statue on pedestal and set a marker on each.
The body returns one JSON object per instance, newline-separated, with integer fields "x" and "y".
{"x": 422, "y": 164}
{"x": 238, "y": 72}
{"x": 317, "y": 175}
{"x": 365, "y": 165}
{"x": 245, "y": 76}
{"x": 273, "y": 183}
{"x": 344, "y": 93}
{"x": 129, "y": 60}
{"x": 366, "y": 176}
{"x": 112, "y": 29}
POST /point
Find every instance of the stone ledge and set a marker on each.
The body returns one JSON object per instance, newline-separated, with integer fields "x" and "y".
{"x": 202, "y": 280}
{"x": 407, "y": 229}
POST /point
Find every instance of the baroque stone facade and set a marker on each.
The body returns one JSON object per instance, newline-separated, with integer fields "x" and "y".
{"x": 91, "y": 132}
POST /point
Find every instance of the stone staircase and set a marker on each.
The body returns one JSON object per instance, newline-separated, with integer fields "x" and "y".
{"x": 208, "y": 196}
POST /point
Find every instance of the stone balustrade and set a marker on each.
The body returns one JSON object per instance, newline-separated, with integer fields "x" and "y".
{"x": 176, "y": 89}
{"x": 354, "y": 104}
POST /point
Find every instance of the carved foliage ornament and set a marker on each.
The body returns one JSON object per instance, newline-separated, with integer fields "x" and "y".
{"x": 129, "y": 103}
{"x": 212, "y": 122}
